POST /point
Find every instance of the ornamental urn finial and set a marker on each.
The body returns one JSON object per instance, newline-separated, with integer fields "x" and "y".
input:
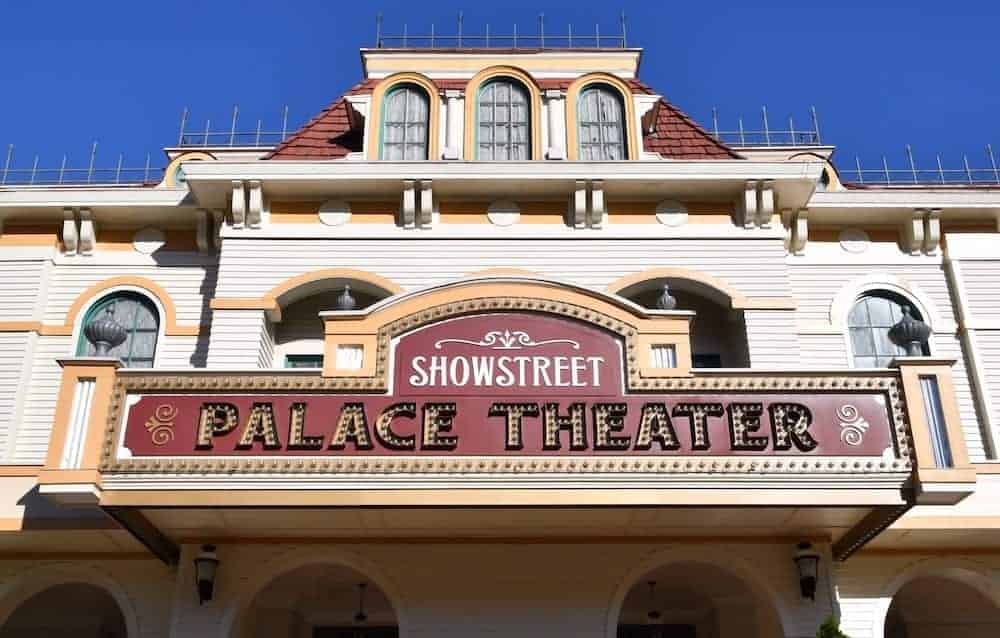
{"x": 346, "y": 301}
{"x": 910, "y": 333}
{"x": 666, "y": 301}
{"x": 104, "y": 333}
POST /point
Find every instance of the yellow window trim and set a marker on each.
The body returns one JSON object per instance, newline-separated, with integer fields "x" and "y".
{"x": 573, "y": 96}
{"x": 472, "y": 104}
{"x": 434, "y": 112}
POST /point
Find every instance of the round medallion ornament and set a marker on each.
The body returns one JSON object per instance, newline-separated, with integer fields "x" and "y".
{"x": 335, "y": 212}
{"x": 854, "y": 240}
{"x": 670, "y": 212}
{"x": 148, "y": 240}
{"x": 503, "y": 213}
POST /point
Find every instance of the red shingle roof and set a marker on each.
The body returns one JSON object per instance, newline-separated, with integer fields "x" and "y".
{"x": 336, "y": 130}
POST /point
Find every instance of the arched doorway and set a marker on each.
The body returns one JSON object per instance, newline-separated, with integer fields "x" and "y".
{"x": 319, "y": 601}
{"x": 941, "y": 607}
{"x": 695, "y": 600}
{"x": 83, "y": 611}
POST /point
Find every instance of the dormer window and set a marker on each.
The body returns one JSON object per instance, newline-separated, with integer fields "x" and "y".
{"x": 405, "y": 124}
{"x": 601, "y": 124}
{"x": 504, "y": 127}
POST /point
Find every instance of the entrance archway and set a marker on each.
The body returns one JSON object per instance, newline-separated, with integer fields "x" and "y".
{"x": 695, "y": 600}
{"x": 71, "y": 610}
{"x": 941, "y": 607}
{"x": 319, "y": 601}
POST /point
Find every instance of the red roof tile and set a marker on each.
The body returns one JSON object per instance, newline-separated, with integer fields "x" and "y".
{"x": 336, "y": 130}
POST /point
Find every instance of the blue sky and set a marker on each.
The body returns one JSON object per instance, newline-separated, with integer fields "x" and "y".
{"x": 881, "y": 75}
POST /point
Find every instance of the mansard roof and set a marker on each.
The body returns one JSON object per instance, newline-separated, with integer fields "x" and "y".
{"x": 337, "y": 130}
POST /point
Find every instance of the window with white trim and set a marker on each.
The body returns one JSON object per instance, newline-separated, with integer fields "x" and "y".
{"x": 138, "y": 316}
{"x": 405, "y": 115}
{"x": 868, "y": 324}
{"x": 601, "y": 124}
{"x": 504, "y": 123}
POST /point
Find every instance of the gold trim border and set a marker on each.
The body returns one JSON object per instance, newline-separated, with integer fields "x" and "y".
{"x": 137, "y": 381}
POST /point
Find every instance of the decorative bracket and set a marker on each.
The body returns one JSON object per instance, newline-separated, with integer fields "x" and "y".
{"x": 70, "y": 236}
{"x": 408, "y": 205}
{"x": 239, "y": 204}
{"x": 426, "y": 217}
{"x": 766, "y": 202}
{"x": 88, "y": 233}
{"x": 921, "y": 233}
{"x": 598, "y": 210}
{"x": 255, "y": 207}
{"x": 798, "y": 231}
{"x": 578, "y": 205}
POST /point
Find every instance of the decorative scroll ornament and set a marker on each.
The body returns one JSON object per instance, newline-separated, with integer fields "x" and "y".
{"x": 852, "y": 425}
{"x": 507, "y": 340}
{"x": 161, "y": 425}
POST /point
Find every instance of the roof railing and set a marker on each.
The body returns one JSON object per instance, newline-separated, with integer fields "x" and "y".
{"x": 513, "y": 39}
{"x": 768, "y": 136}
{"x": 120, "y": 173}
{"x": 967, "y": 174}
{"x": 258, "y": 137}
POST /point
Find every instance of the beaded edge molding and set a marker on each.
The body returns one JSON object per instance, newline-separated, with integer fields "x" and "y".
{"x": 200, "y": 380}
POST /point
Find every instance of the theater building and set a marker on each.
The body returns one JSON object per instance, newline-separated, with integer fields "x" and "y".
{"x": 501, "y": 343}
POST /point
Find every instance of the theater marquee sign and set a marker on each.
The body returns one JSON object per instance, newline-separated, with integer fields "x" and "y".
{"x": 506, "y": 390}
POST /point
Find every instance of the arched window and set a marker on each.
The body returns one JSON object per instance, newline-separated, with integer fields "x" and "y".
{"x": 405, "y": 123}
{"x": 504, "y": 131}
{"x": 869, "y": 322}
{"x": 601, "y": 123}
{"x": 140, "y": 320}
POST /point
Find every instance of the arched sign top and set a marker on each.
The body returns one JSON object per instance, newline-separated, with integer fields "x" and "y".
{"x": 522, "y": 354}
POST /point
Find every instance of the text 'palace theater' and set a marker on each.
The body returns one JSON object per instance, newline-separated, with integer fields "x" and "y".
{"x": 500, "y": 343}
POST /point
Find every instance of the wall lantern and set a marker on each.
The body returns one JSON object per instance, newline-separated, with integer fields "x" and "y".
{"x": 807, "y": 560}
{"x": 206, "y": 564}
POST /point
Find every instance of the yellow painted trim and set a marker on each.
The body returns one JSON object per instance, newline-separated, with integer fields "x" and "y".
{"x": 472, "y": 107}
{"x": 20, "y": 326}
{"x": 624, "y": 61}
{"x": 170, "y": 326}
{"x": 737, "y": 300}
{"x": 273, "y": 299}
{"x": 104, "y": 374}
{"x": 572, "y": 96}
{"x": 168, "y": 172}
{"x": 7, "y": 471}
{"x": 434, "y": 112}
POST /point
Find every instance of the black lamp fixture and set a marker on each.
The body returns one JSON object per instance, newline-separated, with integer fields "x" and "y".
{"x": 807, "y": 561}
{"x": 206, "y": 565}
{"x": 361, "y": 616}
{"x": 653, "y": 614}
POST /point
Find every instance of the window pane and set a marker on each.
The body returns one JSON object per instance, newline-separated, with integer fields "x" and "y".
{"x": 862, "y": 341}
{"x": 601, "y": 124}
{"x": 138, "y": 317}
{"x": 502, "y": 109}
{"x": 880, "y": 311}
{"x": 405, "y": 124}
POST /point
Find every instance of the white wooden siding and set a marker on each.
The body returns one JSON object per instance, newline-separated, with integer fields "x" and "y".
{"x": 249, "y": 268}
{"x": 772, "y": 339}
{"x": 949, "y": 346}
{"x": 982, "y": 281}
{"x": 40, "y": 402}
{"x": 13, "y": 362}
{"x": 989, "y": 351}
{"x": 19, "y": 291}
{"x": 239, "y": 339}
{"x": 190, "y": 287}
{"x": 823, "y": 351}
{"x": 815, "y": 285}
